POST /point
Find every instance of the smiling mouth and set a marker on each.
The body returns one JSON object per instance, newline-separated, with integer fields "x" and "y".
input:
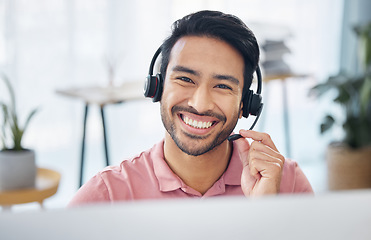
{"x": 195, "y": 123}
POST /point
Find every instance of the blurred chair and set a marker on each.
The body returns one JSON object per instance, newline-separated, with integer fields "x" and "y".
{"x": 102, "y": 96}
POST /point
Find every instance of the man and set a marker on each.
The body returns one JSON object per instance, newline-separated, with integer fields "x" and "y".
{"x": 207, "y": 63}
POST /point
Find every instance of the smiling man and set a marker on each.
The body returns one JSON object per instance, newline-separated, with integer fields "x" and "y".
{"x": 207, "y": 63}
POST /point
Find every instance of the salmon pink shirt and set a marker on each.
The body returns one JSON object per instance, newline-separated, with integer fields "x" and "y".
{"x": 148, "y": 176}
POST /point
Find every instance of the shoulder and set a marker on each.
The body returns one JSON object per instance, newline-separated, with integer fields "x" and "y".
{"x": 142, "y": 161}
{"x": 128, "y": 168}
{"x": 115, "y": 183}
{"x": 132, "y": 170}
{"x": 290, "y": 166}
{"x": 139, "y": 164}
{"x": 293, "y": 179}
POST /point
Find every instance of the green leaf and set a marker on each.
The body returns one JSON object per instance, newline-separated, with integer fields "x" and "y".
{"x": 11, "y": 92}
{"x": 343, "y": 95}
{"x": 364, "y": 36}
{"x": 4, "y": 109}
{"x": 29, "y": 118}
{"x": 10, "y": 129}
{"x": 327, "y": 123}
{"x": 365, "y": 95}
{"x": 332, "y": 83}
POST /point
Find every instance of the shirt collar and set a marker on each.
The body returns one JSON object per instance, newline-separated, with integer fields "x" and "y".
{"x": 232, "y": 176}
{"x": 169, "y": 181}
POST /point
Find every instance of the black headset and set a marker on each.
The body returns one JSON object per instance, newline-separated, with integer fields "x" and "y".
{"x": 252, "y": 102}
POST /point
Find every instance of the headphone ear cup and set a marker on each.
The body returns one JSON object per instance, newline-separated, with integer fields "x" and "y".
{"x": 246, "y": 103}
{"x": 153, "y": 87}
{"x": 256, "y": 104}
{"x": 159, "y": 88}
{"x": 150, "y": 86}
{"x": 252, "y": 104}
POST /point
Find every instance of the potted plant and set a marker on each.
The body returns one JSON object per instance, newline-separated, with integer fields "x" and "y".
{"x": 17, "y": 164}
{"x": 349, "y": 160}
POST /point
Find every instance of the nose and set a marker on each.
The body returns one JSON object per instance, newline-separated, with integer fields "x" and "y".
{"x": 201, "y": 100}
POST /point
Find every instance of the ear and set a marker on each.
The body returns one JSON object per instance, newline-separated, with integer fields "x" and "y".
{"x": 241, "y": 111}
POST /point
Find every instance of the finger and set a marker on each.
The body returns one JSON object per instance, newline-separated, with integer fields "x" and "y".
{"x": 259, "y": 136}
{"x": 243, "y": 148}
{"x": 265, "y": 169}
{"x": 247, "y": 181}
{"x": 263, "y": 157}
{"x": 268, "y": 178}
{"x": 260, "y": 147}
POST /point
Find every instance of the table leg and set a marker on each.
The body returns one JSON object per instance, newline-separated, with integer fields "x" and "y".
{"x": 83, "y": 145}
{"x": 41, "y": 203}
{"x": 104, "y": 134}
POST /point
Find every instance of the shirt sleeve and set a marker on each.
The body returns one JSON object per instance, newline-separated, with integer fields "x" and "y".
{"x": 93, "y": 191}
{"x": 302, "y": 184}
{"x": 293, "y": 179}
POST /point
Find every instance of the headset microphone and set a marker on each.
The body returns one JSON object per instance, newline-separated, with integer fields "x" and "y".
{"x": 252, "y": 102}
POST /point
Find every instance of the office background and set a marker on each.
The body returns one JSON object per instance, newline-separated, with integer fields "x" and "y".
{"x": 47, "y": 45}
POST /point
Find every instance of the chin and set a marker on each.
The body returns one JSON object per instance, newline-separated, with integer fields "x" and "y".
{"x": 198, "y": 145}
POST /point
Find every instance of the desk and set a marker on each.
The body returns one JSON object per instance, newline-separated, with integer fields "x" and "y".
{"x": 47, "y": 182}
{"x": 102, "y": 96}
{"x": 282, "y": 78}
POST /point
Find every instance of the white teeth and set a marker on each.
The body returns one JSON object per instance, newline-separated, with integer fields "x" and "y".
{"x": 196, "y": 124}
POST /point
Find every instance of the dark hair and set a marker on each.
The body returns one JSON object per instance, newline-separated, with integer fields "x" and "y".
{"x": 225, "y": 27}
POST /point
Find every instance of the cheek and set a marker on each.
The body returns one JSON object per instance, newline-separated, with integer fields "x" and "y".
{"x": 173, "y": 94}
{"x": 170, "y": 97}
{"x": 231, "y": 109}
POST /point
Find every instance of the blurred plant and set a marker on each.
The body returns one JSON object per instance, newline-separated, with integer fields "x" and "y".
{"x": 11, "y": 131}
{"x": 353, "y": 94}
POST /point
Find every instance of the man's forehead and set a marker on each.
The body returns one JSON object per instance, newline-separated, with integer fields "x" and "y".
{"x": 189, "y": 54}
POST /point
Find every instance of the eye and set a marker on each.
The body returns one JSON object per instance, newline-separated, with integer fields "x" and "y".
{"x": 223, "y": 86}
{"x": 185, "y": 79}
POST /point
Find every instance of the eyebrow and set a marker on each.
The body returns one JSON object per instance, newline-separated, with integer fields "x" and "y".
{"x": 179, "y": 68}
{"x": 230, "y": 78}
{"x": 227, "y": 77}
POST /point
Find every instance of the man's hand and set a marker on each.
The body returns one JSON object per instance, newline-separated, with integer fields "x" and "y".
{"x": 262, "y": 164}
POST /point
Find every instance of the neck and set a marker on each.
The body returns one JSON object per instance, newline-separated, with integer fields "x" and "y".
{"x": 198, "y": 172}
